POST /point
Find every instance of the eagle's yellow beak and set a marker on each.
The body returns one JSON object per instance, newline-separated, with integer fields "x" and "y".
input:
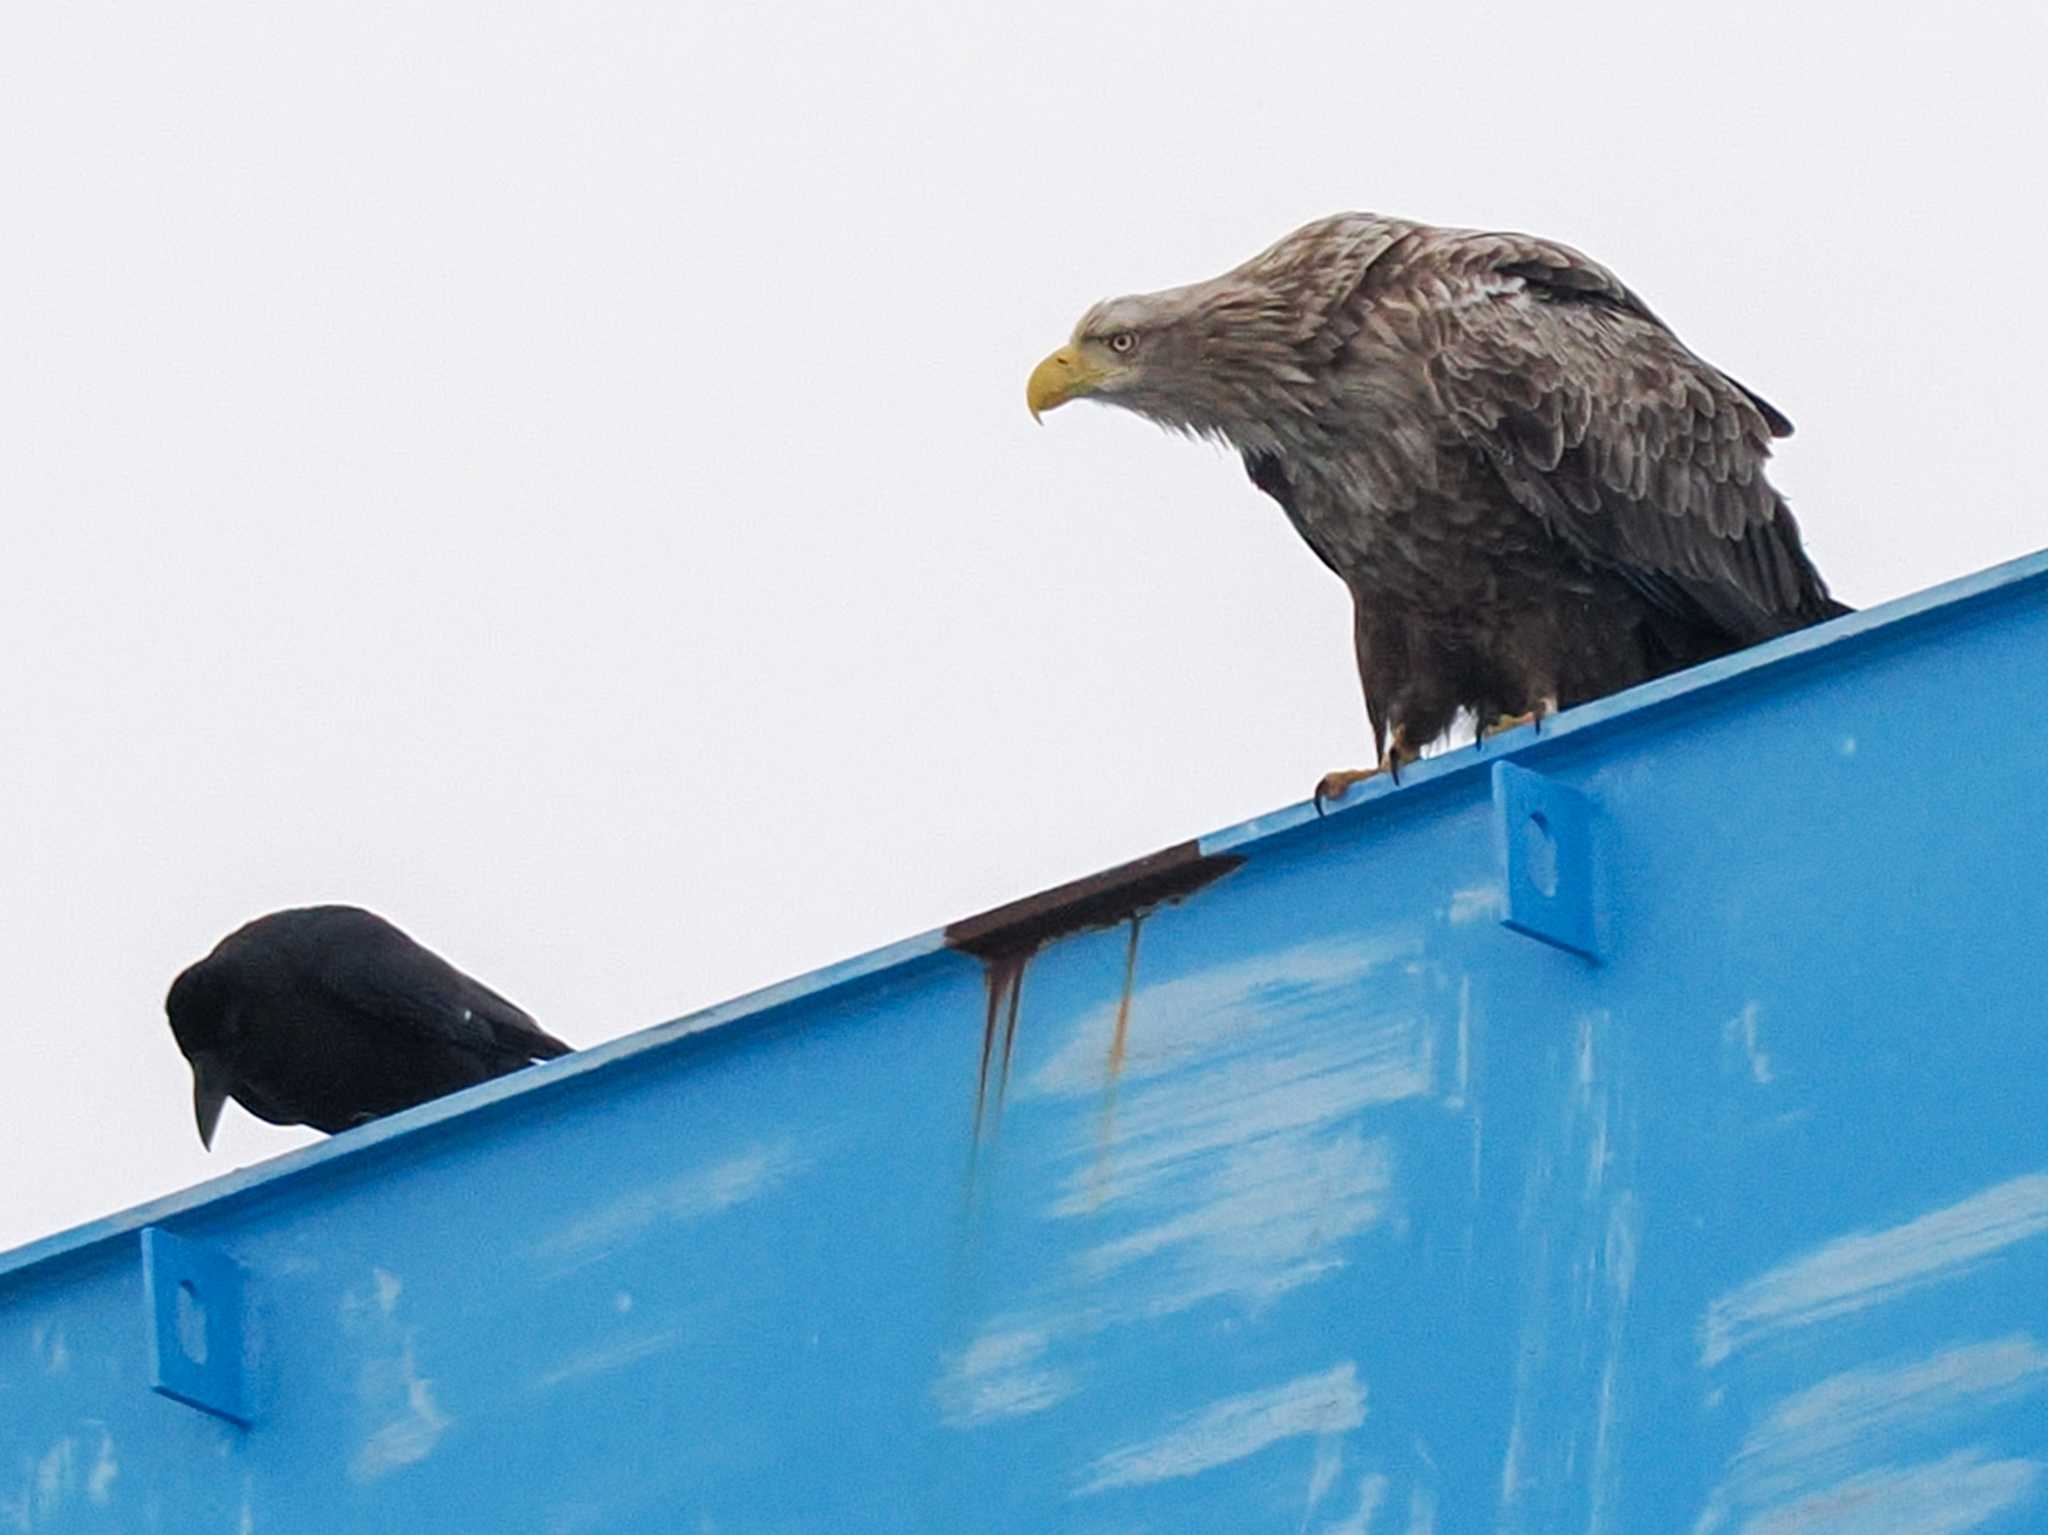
{"x": 1066, "y": 375}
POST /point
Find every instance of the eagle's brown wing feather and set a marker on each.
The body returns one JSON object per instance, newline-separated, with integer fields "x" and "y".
{"x": 1635, "y": 452}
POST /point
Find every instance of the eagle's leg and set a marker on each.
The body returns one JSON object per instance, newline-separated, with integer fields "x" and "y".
{"x": 1397, "y": 756}
{"x": 1545, "y": 707}
{"x": 1398, "y": 753}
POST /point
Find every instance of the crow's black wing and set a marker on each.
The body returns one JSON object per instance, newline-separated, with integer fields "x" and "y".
{"x": 373, "y": 969}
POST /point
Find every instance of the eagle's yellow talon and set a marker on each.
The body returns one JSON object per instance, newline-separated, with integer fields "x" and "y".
{"x": 1334, "y": 786}
{"x": 1397, "y": 756}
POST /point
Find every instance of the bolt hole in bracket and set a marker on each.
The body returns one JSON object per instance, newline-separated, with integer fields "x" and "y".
{"x": 1546, "y": 838}
{"x": 192, "y": 1295}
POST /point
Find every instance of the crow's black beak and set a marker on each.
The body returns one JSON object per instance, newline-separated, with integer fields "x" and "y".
{"x": 209, "y": 1092}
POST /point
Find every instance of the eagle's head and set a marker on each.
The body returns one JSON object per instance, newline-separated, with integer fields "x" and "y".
{"x": 1236, "y": 357}
{"x": 1199, "y": 359}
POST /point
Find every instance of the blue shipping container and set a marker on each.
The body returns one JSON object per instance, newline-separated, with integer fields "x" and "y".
{"x": 1632, "y": 1127}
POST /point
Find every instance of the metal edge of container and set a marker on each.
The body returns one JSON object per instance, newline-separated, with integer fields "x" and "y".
{"x": 1968, "y": 596}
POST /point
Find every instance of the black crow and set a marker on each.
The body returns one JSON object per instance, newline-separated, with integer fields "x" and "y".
{"x": 329, "y": 1016}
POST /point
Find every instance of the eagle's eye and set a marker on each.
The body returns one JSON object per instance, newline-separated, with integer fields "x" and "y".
{"x": 1123, "y": 341}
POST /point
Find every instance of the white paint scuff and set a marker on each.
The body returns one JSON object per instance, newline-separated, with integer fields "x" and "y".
{"x": 1475, "y": 903}
{"x": 99, "y": 1481}
{"x": 1943, "y": 1497}
{"x": 56, "y": 1473}
{"x": 1867, "y": 1268}
{"x": 1323, "y": 1474}
{"x": 605, "y": 1358}
{"x": 47, "y": 1345}
{"x": 1372, "y": 1491}
{"x": 702, "y": 1192}
{"x": 408, "y": 1438}
{"x": 1853, "y": 1410}
{"x": 1461, "y": 1081}
{"x": 1741, "y": 1032}
{"x": 1266, "y": 1217}
{"x": 1331, "y": 1402}
{"x": 1845, "y": 1430}
{"x": 1000, "y": 1375}
{"x": 1215, "y": 1007}
{"x": 1217, "y": 1165}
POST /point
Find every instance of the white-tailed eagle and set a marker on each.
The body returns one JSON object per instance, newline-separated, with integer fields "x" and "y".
{"x": 1535, "y": 493}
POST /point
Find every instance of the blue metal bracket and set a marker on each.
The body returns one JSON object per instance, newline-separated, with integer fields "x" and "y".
{"x": 192, "y": 1293}
{"x": 1547, "y": 840}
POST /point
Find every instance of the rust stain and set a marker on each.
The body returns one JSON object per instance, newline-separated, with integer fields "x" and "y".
{"x": 1120, "y": 1038}
{"x": 1005, "y": 979}
{"x": 1005, "y": 939}
{"x": 1105, "y": 1132}
{"x": 1100, "y": 900}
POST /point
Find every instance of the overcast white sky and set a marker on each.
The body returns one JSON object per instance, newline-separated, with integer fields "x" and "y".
{"x": 559, "y": 476}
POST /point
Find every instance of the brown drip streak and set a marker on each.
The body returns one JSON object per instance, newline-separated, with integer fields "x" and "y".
{"x": 1123, "y": 1004}
{"x": 1005, "y": 939}
{"x": 1105, "y": 1131}
{"x": 1005, "y": 976}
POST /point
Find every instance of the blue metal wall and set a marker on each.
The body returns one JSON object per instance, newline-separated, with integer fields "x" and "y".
{"x": 1276, "y": 1186}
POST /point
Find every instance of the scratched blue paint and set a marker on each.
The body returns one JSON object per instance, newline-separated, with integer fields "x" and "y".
{"x": 1316, "y": 1201}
